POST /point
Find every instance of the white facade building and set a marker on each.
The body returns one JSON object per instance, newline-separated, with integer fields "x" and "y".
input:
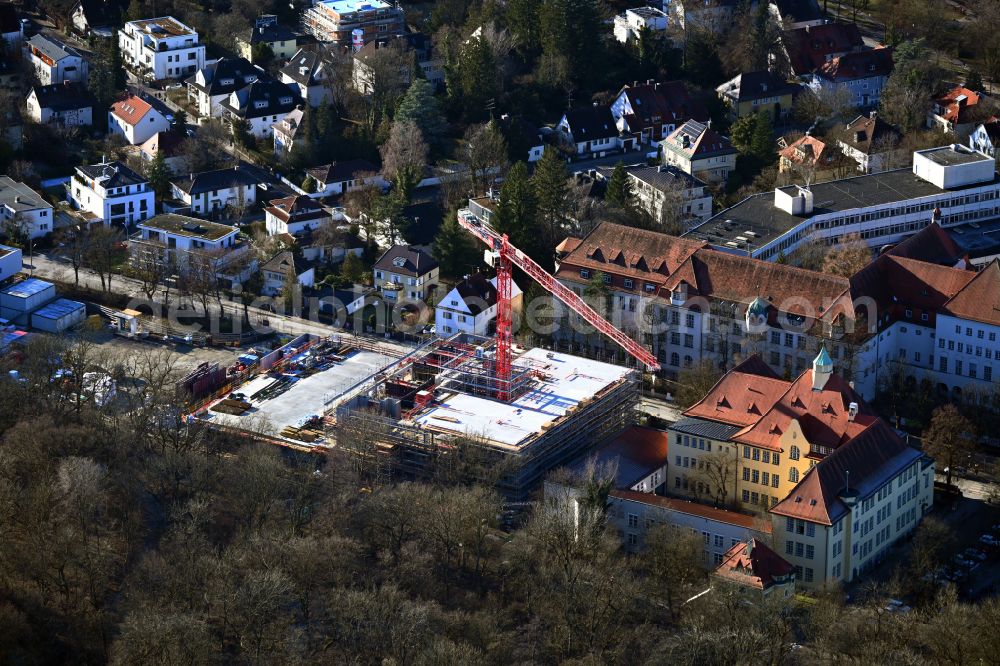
{"x": 112, "y": 192}
{"x": 405, "y": 273}
{"x": 212, "y": 191}
{"x": 22, "y": 210}
{"x": 161, "y": 48}
{"x": 55, "y": 62}
{"x": 629, "y": 26}
{"x": 470, "y": 306}
{"x": 136, "y": 120}
{"x": 10, "y": 261}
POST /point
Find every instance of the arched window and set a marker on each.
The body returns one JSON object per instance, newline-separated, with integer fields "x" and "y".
{"x": 688, "y": 361}
{"x": 793, "y": 475}
{"x": 794, "y": 453}
{"x": 675, "y": 359}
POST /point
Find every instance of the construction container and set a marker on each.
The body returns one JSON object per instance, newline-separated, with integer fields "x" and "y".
{"x": 19, "y": 300}
{"x": 58, "y": 315}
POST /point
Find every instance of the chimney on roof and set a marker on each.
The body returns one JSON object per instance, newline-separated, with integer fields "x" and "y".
{"x": 873, "y": 115}
{"x": 852, "y": 411}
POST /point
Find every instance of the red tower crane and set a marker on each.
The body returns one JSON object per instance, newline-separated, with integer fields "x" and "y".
{"x": 507, "y": 256}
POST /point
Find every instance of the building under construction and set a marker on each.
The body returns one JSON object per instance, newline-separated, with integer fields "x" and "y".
{"x": 446, "y": 396}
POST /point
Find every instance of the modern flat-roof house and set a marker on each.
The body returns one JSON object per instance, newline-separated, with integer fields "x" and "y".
{"x": 311, "y": 72}
{"x": 161, "y": 48}
{"x": 56, "y": 62}
{"x": 183, "y": 244}
{"x": 266, "y": 31}
{"x": 112, "y": 192}
{"x": 698, "y": 150}
{"x": 215, "y": 82}
{"x": 470, "y": 306}
{"x": 261, "y": 104}
{"x": 951, "y": 184}
{"x": 63, "y": 104}
{"x": 354, "y": 22}
{"x": 23, "y": 211}
{"x": 628, "y": 26}
{"x": 654, "y": 109}
{"x": 210, "y": 192}
{"x": 405, "y": 273}
{"x": 136, "y": 119}
{"x": 757, "y": 92}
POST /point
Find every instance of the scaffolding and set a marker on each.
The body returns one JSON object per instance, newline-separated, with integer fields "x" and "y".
{"x": 379, "y": 424}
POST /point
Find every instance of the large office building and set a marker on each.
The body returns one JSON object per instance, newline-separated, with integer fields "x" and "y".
{"x": 950, "y": 184}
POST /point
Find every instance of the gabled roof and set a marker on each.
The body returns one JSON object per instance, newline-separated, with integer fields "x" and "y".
{"x": 809, "y": 47}
{"x": 591, "y": 122}
{"x": 303, "y": 66}
{"x": 979, "y": 300}
{"x": 52, "y": 48}
{"x": 664, "y": 177}
{"x": 63, "y": 96}
{"x": 931, "y": 244}
{"x": 755, "y": 85}
{"x": 698, "y": 140}
{"x": 220, "y": 179}
{"x": 742, "y": 395}
{"x": 806, "y": 150}
{"x": 475, "y": 291}
{"x": 956, "y": 105}
{"x": 296, "y": 208}
{"x": 866, "y": 462}
{"x": 338, "y": 172}
{"x": 264, "y": 97}
{"x": 225, "y": 75}
{"x": 19, "y": 197}
{"x": 284, "y": 262}
{"x": 168, "y": 143}
{"x": 132, "y": 109}
{"x": 858, "y": 65}
{"x": 405, "y": 260}
{"x": 695, "y": 509}
{"x": 753, "y": 564}
{"x": 897, "y": 280}
{"x": 666, "y": 103}
{"x": 869, "y": 134}
{"x": 270, "y": 32}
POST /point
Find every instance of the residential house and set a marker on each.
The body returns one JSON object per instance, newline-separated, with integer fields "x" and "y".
{"x": 284, "y": 266}
{"x": 311, "y": 72}
{"x": 11, "y": 28}
{"x": 670, "y": 196}
{"x": 698, "y": 150}
{"x": 655, "y": 109}
{"x": 714, "y": 16}
{"x": 871, "y": 142}
{"x": 261, "y": 104}
{"x": 753, "y": 92}
{"x": 215, "y": 82}
{"x": 471, "y": 306}
{"x": 591, "y": 131}
{"x": 96, "y": 18}
{"x": 354, "y": 22}
{"x": 295, "y": 215}
{"x": 112, "y": 192}
{"x": 986, "y": 137}
{"x": 170, "y": 145}
{"x": 796, "y": 13}
{"x": 56, "y": 62}
{"x": 288, "y": 132}
{"x": 629, "y": 26}
{"x": 136, "y": 120}
{"x": 419, "y": 49}
{"x": 809, "y": 159}
{"x": 211, "y": 192}
{"x": 185, "y": 245}
{"x": 810, "y": 47}
{"x": 860, "y": 75}
{"x": 161, "y": 48}
{"x": 68, "y": 105}
{"x": 339, "y": 178}
{"x": 10, "y": 262}
{"x": 753, "y": 569}
{"x": 405, "y": 273}
{"x": 23, "y": 212}
{"x": 267, "y": 33}
{"x": 958, "y": 111}
{"x": 635, "y": 459}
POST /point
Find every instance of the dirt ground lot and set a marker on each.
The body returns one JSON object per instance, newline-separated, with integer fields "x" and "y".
{"x": 187, "y": 357}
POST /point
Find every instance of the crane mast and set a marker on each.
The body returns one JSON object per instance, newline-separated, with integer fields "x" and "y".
{"x": 506, "y": 256}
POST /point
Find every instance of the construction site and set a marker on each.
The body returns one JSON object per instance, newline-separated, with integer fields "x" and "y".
{"x": 446, "y": 397}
